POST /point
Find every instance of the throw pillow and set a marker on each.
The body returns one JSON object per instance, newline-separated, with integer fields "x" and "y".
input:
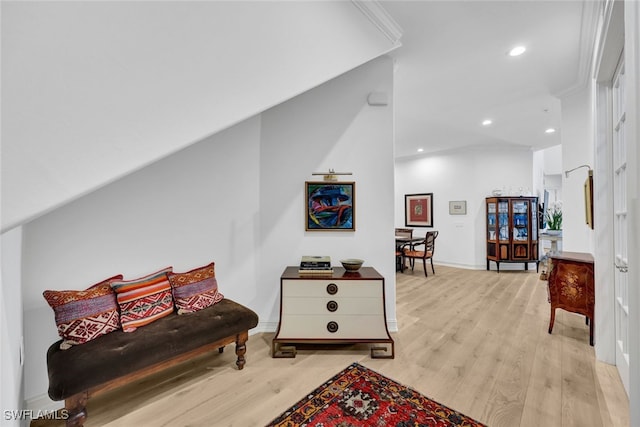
{"x": 195, "y": 289}
{"x": 143, "y": 300}
{"x": 82, "y": 316}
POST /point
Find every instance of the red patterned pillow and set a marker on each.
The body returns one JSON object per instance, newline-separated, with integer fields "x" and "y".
{"x": 85, "y": 315}
{"x": 195, "y": 289}
{"x": 143, "y": 300}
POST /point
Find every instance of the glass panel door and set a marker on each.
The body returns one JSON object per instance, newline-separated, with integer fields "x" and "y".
{"x": 503, "y": 220}
{"x": 520, "y": 220}
{"x": 534, "y": 220}
{"x": 620, "y": 226}
{"x": 492, "y": 221}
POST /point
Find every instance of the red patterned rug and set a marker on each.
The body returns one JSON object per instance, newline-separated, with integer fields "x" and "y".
{"x": 358, "y": 396}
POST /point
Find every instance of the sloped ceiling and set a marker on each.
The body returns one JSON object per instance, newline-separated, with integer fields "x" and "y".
{"x": 93, "y": 91}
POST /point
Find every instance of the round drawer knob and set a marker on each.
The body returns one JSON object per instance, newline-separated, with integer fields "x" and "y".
{"x": 332, "y": 306}
{"x": 332, "y": 327}
{"x": 332, "y": 289}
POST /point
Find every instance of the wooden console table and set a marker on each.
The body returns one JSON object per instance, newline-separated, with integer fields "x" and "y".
{"x": 342, "y": 307}
{"x": 571, "y": 286}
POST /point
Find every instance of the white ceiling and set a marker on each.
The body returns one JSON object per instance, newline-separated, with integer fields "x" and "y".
{"x": 453, "y": 71}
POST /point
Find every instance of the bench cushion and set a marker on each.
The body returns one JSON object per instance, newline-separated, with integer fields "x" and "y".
{"x": 119, "y": 353}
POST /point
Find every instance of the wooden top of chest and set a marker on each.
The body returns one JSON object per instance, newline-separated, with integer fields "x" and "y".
{"x": 364, "y": 273}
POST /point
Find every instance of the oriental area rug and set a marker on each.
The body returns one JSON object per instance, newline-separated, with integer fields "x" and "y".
{"x": 358, "y": 396}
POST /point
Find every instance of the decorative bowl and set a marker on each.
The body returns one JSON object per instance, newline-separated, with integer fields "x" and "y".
{"x": 352, "y": 264}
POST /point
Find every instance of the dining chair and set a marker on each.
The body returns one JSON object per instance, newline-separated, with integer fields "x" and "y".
{"x": 425, "y": 253}
{"x": 403, "y": 233}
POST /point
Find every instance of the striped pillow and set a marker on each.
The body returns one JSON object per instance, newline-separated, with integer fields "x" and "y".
{"x": 82, "y": 316}
{"x": 195, "y": 289}
{"x": 143, "y": 300}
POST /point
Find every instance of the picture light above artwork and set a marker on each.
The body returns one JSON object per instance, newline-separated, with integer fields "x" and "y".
{"x": 332, "y": 175}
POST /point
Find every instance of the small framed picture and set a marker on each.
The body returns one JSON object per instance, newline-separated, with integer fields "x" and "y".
{"x": 330, "y": 206}
{"x": 458, "y": 207}
{"x": 418, "y": 210}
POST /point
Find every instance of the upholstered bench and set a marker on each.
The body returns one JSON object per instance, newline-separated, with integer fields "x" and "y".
{"x": 118, "y": 358}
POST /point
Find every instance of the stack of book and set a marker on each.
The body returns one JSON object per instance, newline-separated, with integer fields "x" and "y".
{"x": 315, "y": 265}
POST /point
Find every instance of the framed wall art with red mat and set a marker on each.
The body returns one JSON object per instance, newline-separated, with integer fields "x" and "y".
{"x": 358, "y": 396}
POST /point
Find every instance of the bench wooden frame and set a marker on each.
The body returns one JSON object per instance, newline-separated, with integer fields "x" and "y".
{"x": 76, "y": 405}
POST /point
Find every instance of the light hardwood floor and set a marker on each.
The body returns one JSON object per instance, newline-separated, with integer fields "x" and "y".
{"x": 475, "y": 341}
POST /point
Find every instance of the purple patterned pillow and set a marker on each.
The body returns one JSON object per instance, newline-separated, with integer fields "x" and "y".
{"x": 195, "y": 289}
{"x": 82, "y": 316}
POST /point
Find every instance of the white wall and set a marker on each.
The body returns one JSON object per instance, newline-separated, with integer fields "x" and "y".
{"x": 11, "y": 328}
{"x": 538, "y": 160}
{"x": 577, "y": 149}
{"x": 553, "y": 173}
{"x": 470, "y": 175}
{"x": 358, "y": 140}
{"x": 95, "y": 90}
{"x": 553, "y": 160}
{"x": 235, "y": 198}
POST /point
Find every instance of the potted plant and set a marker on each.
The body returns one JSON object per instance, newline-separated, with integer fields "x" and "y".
{"x": 553, "y": 218}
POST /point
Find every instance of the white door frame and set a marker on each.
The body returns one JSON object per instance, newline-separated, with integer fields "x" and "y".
{"x": 620, "y": 27}
{"x": 608, "y": 49}
{"x": 632, "y": 64}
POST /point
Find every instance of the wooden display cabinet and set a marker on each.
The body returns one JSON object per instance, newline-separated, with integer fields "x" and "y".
{"x": 512, "y": 230}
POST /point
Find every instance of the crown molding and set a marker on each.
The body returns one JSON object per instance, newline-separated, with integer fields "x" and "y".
{"x": 591, "y": 12}
{"x": 380, "y": 18}
{"x": 610, "y": 42}
{"x": 588, "y": 34}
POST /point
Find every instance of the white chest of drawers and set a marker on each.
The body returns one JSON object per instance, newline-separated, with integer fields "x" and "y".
{"x": 340, "y": 308}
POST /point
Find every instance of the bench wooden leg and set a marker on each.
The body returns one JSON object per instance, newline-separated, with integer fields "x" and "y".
{"x": 241, "y": 348}
{"x": 76, "y": 407}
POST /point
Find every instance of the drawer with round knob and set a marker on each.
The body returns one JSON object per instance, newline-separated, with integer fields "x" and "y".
{"x": 332, "y": 326}
{"x": 312, "y": 306}
{"x": 323, "y": 288}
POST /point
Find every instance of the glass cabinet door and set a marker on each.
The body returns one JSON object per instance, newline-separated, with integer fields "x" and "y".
{"x": 520, "y": 210}
{"x": 492, "y": 221}
{"x": 534, "y": 220}
{"x": 503, "y": 220}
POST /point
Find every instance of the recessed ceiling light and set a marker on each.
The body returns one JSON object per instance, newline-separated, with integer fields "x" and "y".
{"x": 517, "y": 51}
{"x": 486, "y": 122}
{"x": 550, "y": 130}
{"x": 420, "y": 150}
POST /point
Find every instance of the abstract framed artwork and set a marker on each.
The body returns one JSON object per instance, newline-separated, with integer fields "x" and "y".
{"x": 330, "y": 206}
{"x": 418, "y": 210}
